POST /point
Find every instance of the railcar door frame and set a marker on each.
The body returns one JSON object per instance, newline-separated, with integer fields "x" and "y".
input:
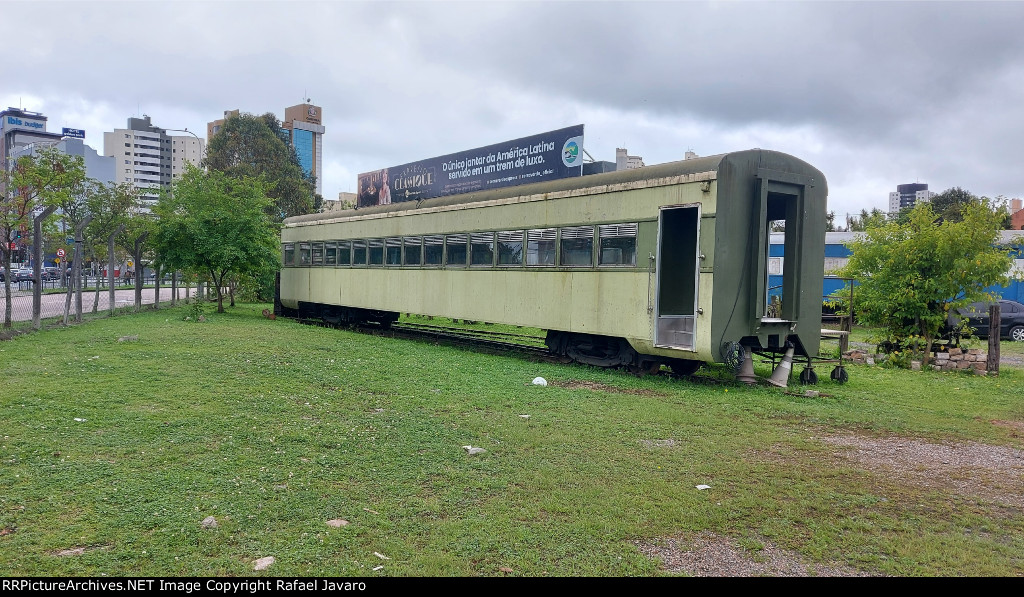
{"x": 675, "y": 321}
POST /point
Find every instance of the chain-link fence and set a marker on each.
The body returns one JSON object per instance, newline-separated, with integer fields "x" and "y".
{"x": 57, "y": 304}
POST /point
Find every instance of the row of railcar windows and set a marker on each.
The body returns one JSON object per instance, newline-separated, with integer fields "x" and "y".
{"x": 573, "y": 246}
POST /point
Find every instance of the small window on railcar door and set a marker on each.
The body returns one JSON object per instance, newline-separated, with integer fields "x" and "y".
{"x": 359, "y": 252}
{"x": 618, "y": 244}
{"x": 289, "y": 254}
{"x": 578, "y": 246}
{"x": 540, "y": 246}
{"x": 304, "y": 254}
{"x": 455, "y": 248}
{"x": 433, "y": 249}
{"x": 318, "y": 253}
{"x": 331, "y": 253}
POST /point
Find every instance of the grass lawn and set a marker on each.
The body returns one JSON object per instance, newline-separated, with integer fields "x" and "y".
{"x": 119, "y": 449}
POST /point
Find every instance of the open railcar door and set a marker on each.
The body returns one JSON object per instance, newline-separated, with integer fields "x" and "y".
{"x": 675, "y": 307}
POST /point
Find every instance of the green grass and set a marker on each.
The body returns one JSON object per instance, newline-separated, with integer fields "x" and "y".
{"x": 275, "y": 427}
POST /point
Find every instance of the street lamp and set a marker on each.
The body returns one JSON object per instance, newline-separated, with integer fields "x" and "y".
{"x": 174, "y": 275}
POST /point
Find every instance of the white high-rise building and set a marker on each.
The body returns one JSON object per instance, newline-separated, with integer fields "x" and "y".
{"x": 147, "y": 157}
{"x": 908, "y": 195}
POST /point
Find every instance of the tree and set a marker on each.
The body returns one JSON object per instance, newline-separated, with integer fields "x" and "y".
{"x": 34, "y": 182}
{"x": 218, "y": 225}
{"x": 866, "y": 220}
{"x": 110, "y": 206}
{"x": 911, "y": 275}
{"x": 255, "y": 146}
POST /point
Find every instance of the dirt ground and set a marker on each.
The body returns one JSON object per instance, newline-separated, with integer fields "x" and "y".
{"x": 989, "y": 473}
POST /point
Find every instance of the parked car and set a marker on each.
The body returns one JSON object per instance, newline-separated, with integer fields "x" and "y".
{"x": 3, "y": 274}
{"x": 24, "y": 274}
{"x": 50, "y": 273}
{"x": 1011, "y": 319}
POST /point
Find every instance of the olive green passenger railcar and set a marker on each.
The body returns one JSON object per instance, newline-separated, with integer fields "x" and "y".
{"x": 661, "y": 264}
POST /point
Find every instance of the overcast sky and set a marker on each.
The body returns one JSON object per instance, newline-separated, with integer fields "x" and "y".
{"x": 874, "y": 94}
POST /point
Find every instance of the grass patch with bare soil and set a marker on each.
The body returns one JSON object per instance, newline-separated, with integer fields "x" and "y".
{"x": 115, "y": 453}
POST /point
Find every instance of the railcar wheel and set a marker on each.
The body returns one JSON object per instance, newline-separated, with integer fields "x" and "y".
{"x": 645, "y": 368}
{"x": 840, "y": 375}
{"x": 808, "y": 377}
{"x": 684, "y": 366}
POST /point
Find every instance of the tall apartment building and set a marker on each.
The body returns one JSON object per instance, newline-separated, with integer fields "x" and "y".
{"x": 908, "y": 195}
{"x": 302, "y": 128}
{"x": 146, "y": 156}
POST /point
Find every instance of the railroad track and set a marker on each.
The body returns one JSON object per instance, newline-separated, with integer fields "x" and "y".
{"x": 504, "y": 341}
{"x": 499, "y": 342}
{"x": 523, "y": 343}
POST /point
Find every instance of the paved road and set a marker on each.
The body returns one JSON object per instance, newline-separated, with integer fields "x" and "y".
{"x": 53, "y": 304}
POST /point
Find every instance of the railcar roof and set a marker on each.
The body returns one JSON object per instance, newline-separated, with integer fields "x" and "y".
{"x": 682, "y": 167}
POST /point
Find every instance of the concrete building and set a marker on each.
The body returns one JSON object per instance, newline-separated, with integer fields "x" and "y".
{"x": 624, "y": 161}
{"x": 1016, "y": 214}
{"x": 20, "y": 128}
{"x": 908, "y": 195}
{"x": 302, "y": 128}
{"x": 147, "y": 157}
{"x": 97, "y": 167}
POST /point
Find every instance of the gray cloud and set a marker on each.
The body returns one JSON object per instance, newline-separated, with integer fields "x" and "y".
{"x": 874, "y": 94}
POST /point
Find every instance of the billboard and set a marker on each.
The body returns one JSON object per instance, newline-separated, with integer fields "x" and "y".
{"x": 547, "y": 156}
{"x": 76, "y": 133}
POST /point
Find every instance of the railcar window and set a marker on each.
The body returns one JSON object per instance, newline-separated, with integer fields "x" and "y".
{"x": 344, "y": 252}
{"x": 376, "y": 251}
{"x": 455, "y": 247}
{"x": 433, "y": 249}
{"x": 289, "y": 254}
{"x": 318, "y": 253}
{"x": 303, "y": 253}
{"x": 618, "y": 244}
{"x": 482, "y": 253}
{"x": 393, "y": 251}
{"x": 331, "y": 253}
{"x": 359, "y": 252}
{"x": 540, "y": 246}
{"x": 413, "y": 250}
{"x": 578, "y": 246}
{"x": 510, "y": 248}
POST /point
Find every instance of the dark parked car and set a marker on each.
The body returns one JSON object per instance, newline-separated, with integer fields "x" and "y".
{"x": 50, "y": 273}
{"x": 1011, "y": 319}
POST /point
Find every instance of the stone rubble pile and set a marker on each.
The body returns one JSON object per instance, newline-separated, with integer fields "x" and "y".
{"x": 955, "y": 359}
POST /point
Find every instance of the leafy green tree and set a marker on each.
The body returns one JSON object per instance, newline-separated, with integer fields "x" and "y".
{"x": 218, "y": 225}
{"x": 34, "y": 181}
{"x": 949, "y": 204}
{"x": 911, "y": 275}
{"x": 110, "y": 206}
{"x": 255, "y": 146}
{"x": 865, "y": 220}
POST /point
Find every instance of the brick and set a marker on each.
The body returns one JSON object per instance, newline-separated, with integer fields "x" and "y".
{"x": 955, "y": 351}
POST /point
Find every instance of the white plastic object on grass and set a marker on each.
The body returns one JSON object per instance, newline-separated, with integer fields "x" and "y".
{"x": 540, "y": 381}
{"x": 703, "y": 487}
